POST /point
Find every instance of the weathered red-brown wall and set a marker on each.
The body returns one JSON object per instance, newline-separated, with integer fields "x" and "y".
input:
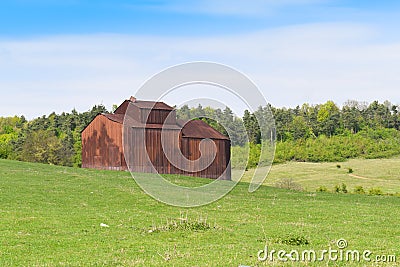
{"x": 102, "y": 145}
{"x": 142, "y": 158}
{"x": 102, "y": 148}
{"x": 145, "y": 152}
{"x": 158, "y": 116}
{"x": 190, "y": 148}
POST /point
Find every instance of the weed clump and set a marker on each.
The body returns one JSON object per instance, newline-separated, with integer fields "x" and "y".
{"x": 344, "y": 188}
{"x": 295, "y": 241}
{"x": 288, "y": 183}
{"x": 322, "y": 189}
{"x": 340, "y": 189}
{"x": 336, "y": 189}
{"x": 183, "y": 224}
{"x": 359, "y": 190}
{"x": 375, "y": 192}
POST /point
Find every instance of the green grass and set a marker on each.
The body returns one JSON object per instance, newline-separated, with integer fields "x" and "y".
{"x": 369, "y": 173}
{"x": 51, "y": 216}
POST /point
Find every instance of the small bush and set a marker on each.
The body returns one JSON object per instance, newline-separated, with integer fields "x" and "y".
{"x": 322, "y": 189}
{"x": 295, "y": 241}
{"x": 338, "y": 166}
{"x": 375, "y": 192}
{"x": 288, "y": 183}
{"x": 344, "y": 188}
{"x": 336, "y": 189}
{"x": 340, "y": 188}
{"x": 350, "y": 170}
{"x": 359, "y": 190}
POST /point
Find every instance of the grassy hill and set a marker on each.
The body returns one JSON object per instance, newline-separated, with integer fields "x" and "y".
{"x": 51, "y": 216}
{"x": 368, "y": 173}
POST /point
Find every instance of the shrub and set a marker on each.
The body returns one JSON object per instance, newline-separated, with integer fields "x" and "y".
{"x": 322, "y": 189}
{"x": 375, "y": 192}
{"x": 249, "y": 156}
{"x": 350, "y": 170}
{"x": 340, "y": 188}
{"x": 344, "y": 188}
{"x": 295, "y": 241}
{"x": 359, "y": 190}
{"x": 288, "y": 183}
{"x": 336, "y": 189}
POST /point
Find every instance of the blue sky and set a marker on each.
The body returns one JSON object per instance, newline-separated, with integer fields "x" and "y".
{"x": 27, "y": 18}
{"x": 59, "y": 55}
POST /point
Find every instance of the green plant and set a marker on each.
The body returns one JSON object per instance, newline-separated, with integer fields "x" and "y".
{"x": 375, "y": 192}
{"x": 336, "y": 189}
{"x": 340, "y": 188}
{"x": 322, "y": 189}
{"x": 359, "y": 190}
{"x": 182, "y": 224}
{"x": 295, "y": 241}
{"x": 344, "y": 188}
{"x": 350, "y": 170}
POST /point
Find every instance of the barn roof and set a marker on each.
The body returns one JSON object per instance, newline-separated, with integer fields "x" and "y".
{"x": 200, "y": 129}
{"x": 135, "y": 124}
{"x": 142, "y": 105}
{"x": 114, "y": 117}
{"x": 151, "y": 105}
{"x": 192, "y": 128}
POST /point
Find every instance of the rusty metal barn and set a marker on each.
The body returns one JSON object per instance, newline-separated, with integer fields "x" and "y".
{"x": 154, "y": 141}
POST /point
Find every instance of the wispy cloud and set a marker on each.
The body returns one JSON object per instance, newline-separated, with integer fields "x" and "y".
{"x": 227, "y": 7}
{"x": 291, "y": 65}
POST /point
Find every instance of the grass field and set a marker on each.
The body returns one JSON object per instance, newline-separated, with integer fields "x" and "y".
{"x": 51, "y": 216}
{"x": 369, "y": 173}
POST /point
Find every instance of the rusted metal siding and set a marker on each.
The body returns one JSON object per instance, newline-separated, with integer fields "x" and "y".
{"x": 102, "y": 145}
{"x": 220, "y": 165}
{"x": 158, "y": 116}
{"x": 145, "y": 154}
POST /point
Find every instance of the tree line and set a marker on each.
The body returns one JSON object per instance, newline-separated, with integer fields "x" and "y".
{"x": 314, "y": 133}
{"x": 323, "y": 132}
{"x": 53, "y": 139}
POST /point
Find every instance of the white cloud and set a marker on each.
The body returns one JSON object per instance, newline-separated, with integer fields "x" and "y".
{"x": 291, "y": 65}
